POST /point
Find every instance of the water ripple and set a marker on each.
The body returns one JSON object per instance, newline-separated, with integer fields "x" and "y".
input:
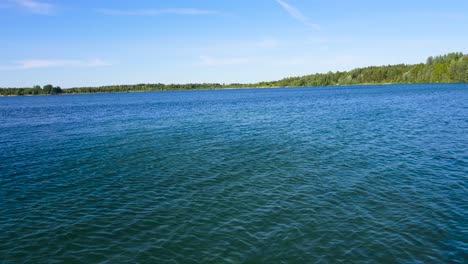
{"x": 357, "y": 174}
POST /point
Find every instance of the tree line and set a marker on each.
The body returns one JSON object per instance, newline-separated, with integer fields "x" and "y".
{"x": 449, "y": 68}
{"x": 36, "y": 90}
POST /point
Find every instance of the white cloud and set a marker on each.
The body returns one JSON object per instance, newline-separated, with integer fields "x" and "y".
{"x": 296, "y": 14}
{"x": 35, "y": 6}
{"x": 40, "y": 64}
{"x": 153, "y": 12}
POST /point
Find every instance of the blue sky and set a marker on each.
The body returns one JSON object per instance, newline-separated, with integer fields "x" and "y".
{"x": 98, "y": 42}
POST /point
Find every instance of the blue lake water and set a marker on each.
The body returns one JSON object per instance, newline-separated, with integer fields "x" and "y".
{"x": 373, "y": 174}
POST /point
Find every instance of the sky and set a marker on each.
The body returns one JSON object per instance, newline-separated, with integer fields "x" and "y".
{"x": 73, "y": 43}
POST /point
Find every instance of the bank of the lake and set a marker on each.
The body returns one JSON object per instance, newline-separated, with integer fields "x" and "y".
{"x": 449, "y": 68}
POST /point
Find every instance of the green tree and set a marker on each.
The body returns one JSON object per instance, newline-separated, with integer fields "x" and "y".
{"x": 47, "y": 89}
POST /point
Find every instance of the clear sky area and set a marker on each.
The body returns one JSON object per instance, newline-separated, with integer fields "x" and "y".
{"x": 89, "y": 43}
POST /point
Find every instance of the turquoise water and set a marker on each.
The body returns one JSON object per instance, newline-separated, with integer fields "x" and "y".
{"x": 375, "y": 174}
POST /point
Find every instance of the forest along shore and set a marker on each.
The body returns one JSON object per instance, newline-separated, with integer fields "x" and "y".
{"x": 449, "y": 68}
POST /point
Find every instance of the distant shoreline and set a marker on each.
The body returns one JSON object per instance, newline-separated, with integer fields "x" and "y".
{"x": 232, "y": 88}
{"x": 445, "y": 69}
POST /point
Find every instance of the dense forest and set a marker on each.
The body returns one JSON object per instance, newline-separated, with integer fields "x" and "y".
{"x": 450, "y": 68}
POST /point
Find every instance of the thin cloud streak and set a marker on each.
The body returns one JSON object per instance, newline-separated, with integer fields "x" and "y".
{"x": 41, "y": 64}
{"x": 35, "y": 6}
{"x": 155, "y": 12}
{"x": 296, "y": 14}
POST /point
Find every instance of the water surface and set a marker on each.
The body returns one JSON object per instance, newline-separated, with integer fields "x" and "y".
{"x": 375, "y": 174}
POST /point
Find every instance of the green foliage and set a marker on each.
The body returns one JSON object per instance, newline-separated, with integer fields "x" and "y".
{"x": 450, "y": 68}
{"x": 36, "y": 90}
{"x": 151, "y": 87}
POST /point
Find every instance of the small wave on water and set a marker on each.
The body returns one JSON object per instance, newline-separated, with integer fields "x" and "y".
{"x": 349, "y": 174}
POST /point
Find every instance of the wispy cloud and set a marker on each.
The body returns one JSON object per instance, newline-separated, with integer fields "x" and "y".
{"x": 36, "y": 7}
{"x": 212, "y": 61}
{"x": 40, "y": 64}
{"x": 298, "y": 15}
{"x": 153, "y": 12}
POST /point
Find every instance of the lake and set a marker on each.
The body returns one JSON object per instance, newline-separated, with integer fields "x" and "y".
{"x": 369, "y": 174}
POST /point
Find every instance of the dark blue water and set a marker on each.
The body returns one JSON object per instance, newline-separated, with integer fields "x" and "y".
{"x": 375, "y": 174}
